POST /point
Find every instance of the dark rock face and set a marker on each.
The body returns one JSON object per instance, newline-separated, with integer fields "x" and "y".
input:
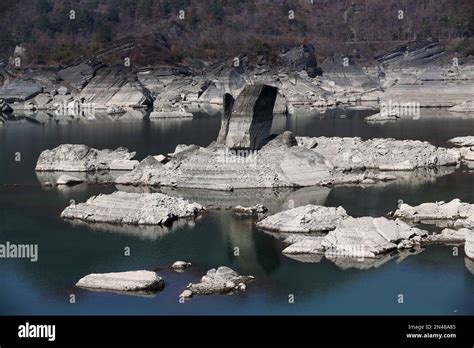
{"x": 301, "y": 58}
{"x": 77, "y": 76}
{"x": 228, "y": 105}
{"x": 250, "y": 121}
{"x": 416, "y": 53}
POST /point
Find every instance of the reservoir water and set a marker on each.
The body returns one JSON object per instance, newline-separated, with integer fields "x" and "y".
{"x": 434, "y": 281}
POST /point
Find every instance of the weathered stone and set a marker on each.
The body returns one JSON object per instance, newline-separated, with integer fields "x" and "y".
{"x": 449, "y": 236}
{"x": 133, "y": 208}
{"x": 4, "y": 107}
{"x": 451, "y": 214}
{"x": 383, "y": 116}
{"x": 68, "y": 180}
{"x": 123, "y": 281}
{"x": 463, "y": 141}
{"x": 81, "y": 158}
{"x": 221, "y": 281}
{"x": 115, "y": 109}
{"x": 382, "y": 154}
{"x": 19, "y": 91}
{"x": 180, "y": 265}
{"x": 469, "y": 245}
{"x": 304, "y": 219}
{"x": 467, "y": 106}
{"x": 228, "y": 104}
{"x": 257, "y": 210}
{"x": 80, "y": 74}
{"x": 251, "y": 119}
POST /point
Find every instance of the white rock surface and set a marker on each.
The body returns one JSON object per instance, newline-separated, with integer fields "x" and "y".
{"x": 257, "y": 210}
{"x": 180, "y": 265}
{"x": 469, "y": 245}
{"x": 66, "y": 179}
{"x": 81, "y": 158}
{"x": 380, "y": 153}
{"x": 221, "y": 281}
{"x": 463, "y": 141}
{"x": 133, "y": 208}
{"x": 449, "y": 236}
{"x": 466, "y": 106}
{"x": 123, "y": 281}
{"x": 454, "y": 213}
{"x": 304, "y": 219}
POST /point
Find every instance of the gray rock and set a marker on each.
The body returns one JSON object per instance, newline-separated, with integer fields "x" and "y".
{"x": 114, "y": 110}
{"x": 304, "y": 219}
{"x": 463, "y": 141}
{"x": 79, "y": 75}
{"x": 81, "y": 158}
{"x": 123, "y": 281}
{"x": 68, "y": 180}
{"x": 251, "y": 119}
{"x": 221, "y": 281}
{"x": 382, "y": 154}
{"x": 19, "y": 91}
{"x": 455, "y": 213}
{"x": 257, "y": 210}
{"x": 133, "y": 208}
{"x": 4, "y": 107}
{"x": 300, "y": 58}
{"x": 469, "y": 245}
{"x": 449, "y": 236}
{"x": 467, "y": 106}
{"x": 180, "y": 265}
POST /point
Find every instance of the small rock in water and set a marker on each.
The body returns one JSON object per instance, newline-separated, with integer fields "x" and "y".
{"x": 224, "y": 280}
{"x": 257, "y": 210}
{"x": 68, "y": 180}
{"x": 123, "y": 281}
{"x": 180, "y": 265}
{"x": 186, "y": 294}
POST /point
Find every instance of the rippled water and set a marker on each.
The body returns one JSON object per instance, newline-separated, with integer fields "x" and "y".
{"x": 432, "y": 282}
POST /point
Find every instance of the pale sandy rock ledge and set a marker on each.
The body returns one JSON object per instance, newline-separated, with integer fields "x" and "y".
{"x": 224, "y": 280}
{"x": 463, "y": 141}
{"x": 466, "y": 106}
{"x": 379, "y": 153}
{"x": 123, "y": 281}
{"x": 455, "y": 213}
{"x": 81, "y": 158}
{"x": 133, "y": 208}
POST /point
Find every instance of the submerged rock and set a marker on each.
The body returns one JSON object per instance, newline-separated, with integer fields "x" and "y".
{"x": 452, "y": 214}
{"x": 123, "y": 281}
{"x": 68, "y": 180}
{"x": 257, "y": 210}
{"x": 304, "y": 219}
{"x": 221, "y": 281}
{"x": 133, "y": 208}
{"x": 383, "y": 116}
{"x": 81, "y": 158}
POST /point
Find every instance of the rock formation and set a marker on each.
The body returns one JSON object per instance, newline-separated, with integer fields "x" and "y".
{"x": 455, "y": 213}
{"x": 81, "y": 158}
{"x": 257, "y": 210}
{"x": 123, "y": 281}
{"x": 467, "y": 106}
{"x": 133, "y": 208}
{"x": 221, "y": 281}
{"x": 68, "y": 180}
{"x": 251, "y": 117}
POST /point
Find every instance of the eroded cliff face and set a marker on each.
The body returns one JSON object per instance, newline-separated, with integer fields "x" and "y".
{"x": 247, "y": 122}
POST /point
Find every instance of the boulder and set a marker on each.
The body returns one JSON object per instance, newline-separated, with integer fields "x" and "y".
{"x": 257, "y": 210}
{"x": 123, "y": 281}
{"x": 224, "y": 280}
{"x": 115, "y": 109}
{"x": 133, "y": 208}
{"x": 68, "y": 180}
{"x": 180, "y": 265}
{"x": 251, "y": 119}
{"x": 304, "y": 219}
{"x": 463, "y": 141}
{"x": 81, "y": 158}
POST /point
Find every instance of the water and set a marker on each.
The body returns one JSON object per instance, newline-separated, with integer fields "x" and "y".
{"x": 432, "y": 282}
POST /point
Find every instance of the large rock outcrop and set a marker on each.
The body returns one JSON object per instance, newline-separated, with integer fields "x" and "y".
{"x": 81, "y": 158}
{"x": 133, "y": 208}
{"x": 122, "y": 281}
{"x": 251, "y": 117}
{"x": 379, "y": 153}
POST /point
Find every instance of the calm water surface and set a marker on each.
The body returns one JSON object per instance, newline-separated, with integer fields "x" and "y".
{"x": 432, "y": 282}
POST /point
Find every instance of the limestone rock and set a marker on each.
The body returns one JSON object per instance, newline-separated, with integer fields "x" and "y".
{"x": 469, "y": 246}
{"x": 380, "y": 153}
{"x": 452, "y": 214}
{"x": 115, "y": 109}
{"x": 180, "y": 265}
{"x": 467, "y": 106}
{"x": 251, "y": 118}
{"x": 81, "y": 158}
{"x": 19, "y": 91}
{"x": 304, "y": 219}
{"x": 257, "y": 210}
{"x": 133, "y": 208}
{"x": 123, "y": 281}
{"x": 463, "y": 141}
{"x": 221, "y": 281}
{"x": 68, "y": 180}
{"x": 449, "y": 236}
